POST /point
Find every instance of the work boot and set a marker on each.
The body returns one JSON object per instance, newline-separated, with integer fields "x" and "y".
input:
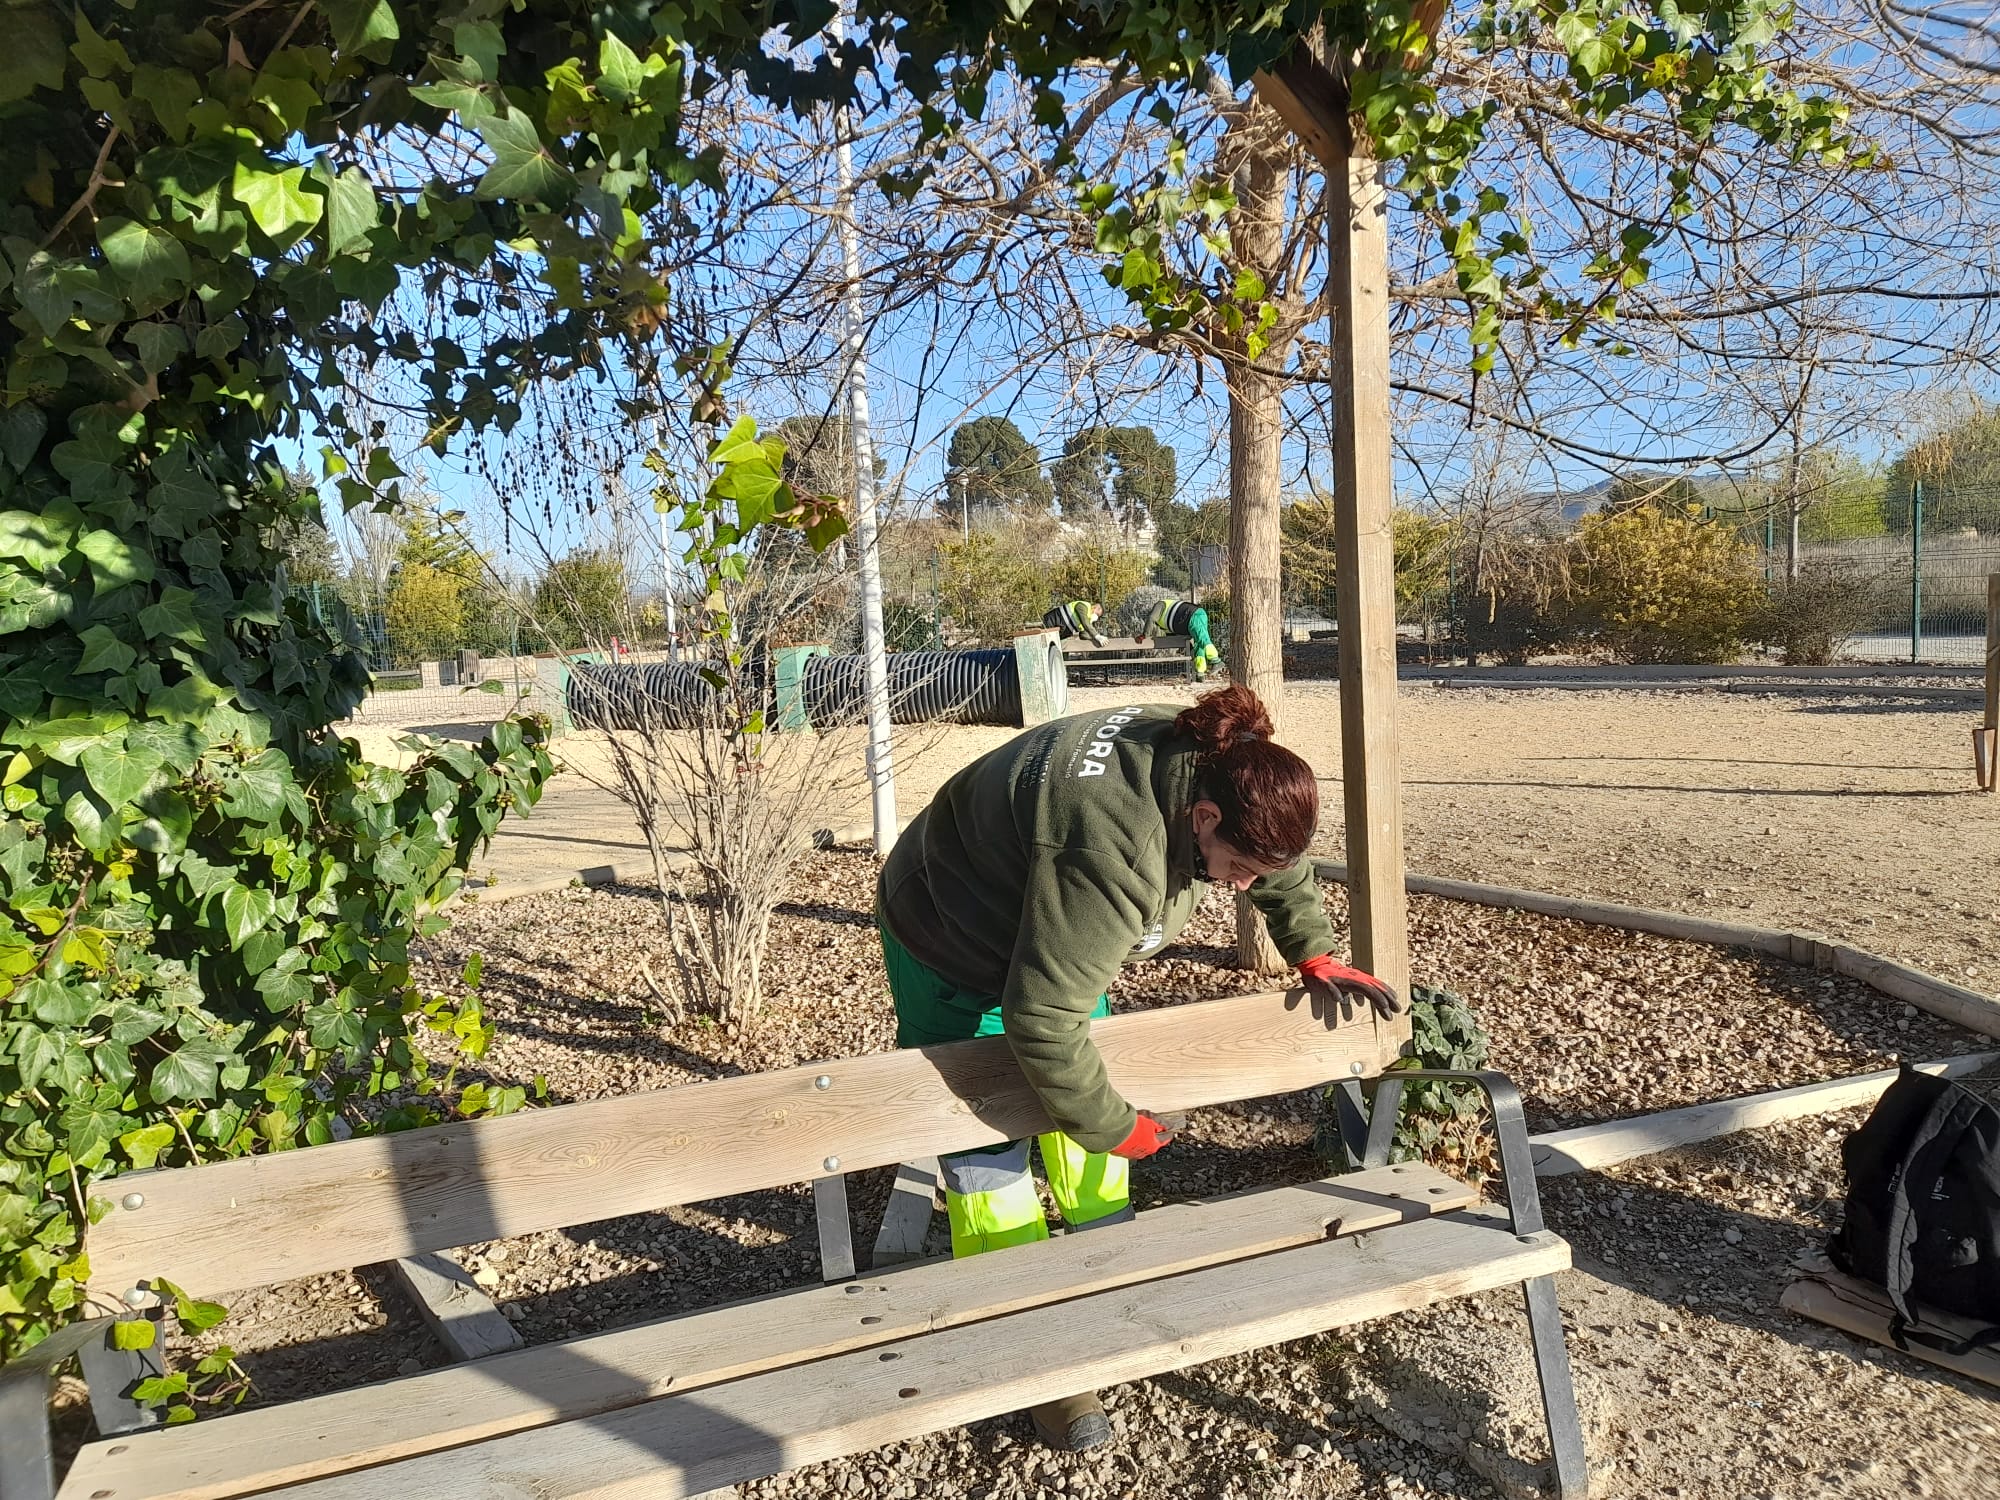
{"x": 1074, "y": 1424}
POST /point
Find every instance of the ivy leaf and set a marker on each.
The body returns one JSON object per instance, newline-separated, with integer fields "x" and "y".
{"x": 148, "y": 260}
{"x": 144, "y": 1145}
{"x": 620, "y": 73}
{"x": 522, "y": 170}
{"x": 351, "y": 211}
{"x": 56, "y": 1004}
{"x": 257, "y": 789}
{"x": 245, "y": 909}
{"x": 277, "y": 201}
{"x": 132, "y": 1333}
{"x": 97, "y": 828}
{"x": 169, "y": 93}
{"x": 118, "y": 772}
{"x": 159, "y": 345}
{"x": 34, "y": 56}
{"x": 104, "y": 652}
{"x": 66, "y": 738}
{"x": 172, "y": 615}
{"x": 480, "y": 43}
{"x": 39, "y": 540}
{"x": 21, "y": 430}
{"x": 39, "y": 1054}
{"x": 114, "y": 562}
{"x": 91, "y": 1124}
{"x": 362, "y": 26}
{"x": 188, "y": 1072}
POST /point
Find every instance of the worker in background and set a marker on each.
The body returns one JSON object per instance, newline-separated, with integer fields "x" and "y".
{"x": 1179, "y": 617}
{"x": 1078, "y": 617}
{"x": 1011, "y": 901}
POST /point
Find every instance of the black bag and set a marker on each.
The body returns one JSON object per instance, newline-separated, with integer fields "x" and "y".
{"x": 1923, "y": 1207}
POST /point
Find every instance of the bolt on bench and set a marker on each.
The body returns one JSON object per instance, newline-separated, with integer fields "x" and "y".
{"x": 690, "y": 1403}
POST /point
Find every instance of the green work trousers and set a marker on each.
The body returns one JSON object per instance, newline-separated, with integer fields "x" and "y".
{"x": 990, "y": 1194}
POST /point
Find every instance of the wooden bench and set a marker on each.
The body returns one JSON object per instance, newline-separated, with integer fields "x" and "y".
{"x": 1170, "y": 653}
{"x": 687, "y": 1404}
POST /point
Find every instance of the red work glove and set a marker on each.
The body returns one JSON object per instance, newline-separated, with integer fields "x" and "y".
{"x": 1148, "y": 1135}
{"x": 1332, "y": 983}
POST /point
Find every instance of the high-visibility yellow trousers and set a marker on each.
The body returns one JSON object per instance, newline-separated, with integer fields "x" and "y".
{"x": 990, "y": 1194}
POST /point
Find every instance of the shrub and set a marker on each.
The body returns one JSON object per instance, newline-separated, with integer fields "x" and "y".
{"x": 991, "y": 586}
{"x": 1101, "y": 568}
{"x": 1811, "y": 617}
{"x": 1521, "y": 601}
{"x": 1654, "y": 585}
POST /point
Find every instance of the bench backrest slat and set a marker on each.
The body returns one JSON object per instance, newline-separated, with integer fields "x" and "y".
{"x": 253, "y": 1221}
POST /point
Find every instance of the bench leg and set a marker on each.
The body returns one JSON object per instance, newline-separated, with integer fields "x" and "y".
{"x": 836, "y": 1236}
{"x": 1367, "y": 1132}
{"x": 27, "y": 1458}
{"x": 906, "y": 1222}
{"x": 1524, "y": 1212}
{"x": 111, "y": 1373}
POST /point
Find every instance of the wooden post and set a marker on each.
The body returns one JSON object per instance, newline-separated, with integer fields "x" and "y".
{"x": 1314, "y": 102}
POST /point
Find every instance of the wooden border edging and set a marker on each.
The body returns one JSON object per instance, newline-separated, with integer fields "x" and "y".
{"x": 1951, "y": 1002}
{"x": 1710, "y": 685}
{"x": 1557, "y": 1153}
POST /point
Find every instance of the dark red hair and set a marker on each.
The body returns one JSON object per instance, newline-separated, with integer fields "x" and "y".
{"x": 1268, "y": 796}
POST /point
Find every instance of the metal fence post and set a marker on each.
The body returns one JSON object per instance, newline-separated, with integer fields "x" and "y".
{"x": 1916, "y": 570}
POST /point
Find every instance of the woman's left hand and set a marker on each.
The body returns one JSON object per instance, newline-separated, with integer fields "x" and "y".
{"x": 1333, "y": 983}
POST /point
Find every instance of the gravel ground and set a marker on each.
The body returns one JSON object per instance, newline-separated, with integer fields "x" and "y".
{"x": 1681, "y": 1257}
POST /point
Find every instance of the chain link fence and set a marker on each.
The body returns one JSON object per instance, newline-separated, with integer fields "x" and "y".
{"x": 1917, "y": 555}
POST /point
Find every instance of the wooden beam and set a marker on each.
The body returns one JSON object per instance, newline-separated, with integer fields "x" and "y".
{"x": 1310, "y": 100}
{"x": 1856, "y": 1307}
{"x": 1589, "y": 1147}
{"x": 768, "y": 1424}
{"x": 1313, "y": 100}
{"x": 1365, "y": 569}
{"x": 446, "y": 1408}
{"x": 260, "y": 1219}
{"x": 461, "y": 1315}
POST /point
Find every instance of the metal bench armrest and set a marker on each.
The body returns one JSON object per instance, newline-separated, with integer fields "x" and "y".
{"x": 1510, "y": 1132}
{"x": 27, "y": 1457}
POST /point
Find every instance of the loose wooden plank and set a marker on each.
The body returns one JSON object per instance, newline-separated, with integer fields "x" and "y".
{"x": 1588, "y": 1147}
{"x": 227, "y": 1225}
{"x": 906, "y": 1221}
{"x": 766, "y": 1424}
{"x": 1856, "y": 1307}
{"x": 461, "y": 1315}
{"x": 232, "y": 1455}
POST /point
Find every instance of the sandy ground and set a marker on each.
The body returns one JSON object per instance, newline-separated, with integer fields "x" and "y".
{"x": 1853, "y": 817}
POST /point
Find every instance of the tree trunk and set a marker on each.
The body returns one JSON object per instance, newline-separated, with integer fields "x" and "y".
{"x": 1256, "y": 416}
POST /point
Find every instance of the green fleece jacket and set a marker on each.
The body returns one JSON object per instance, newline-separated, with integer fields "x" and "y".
{"x": 1044, "y": 865}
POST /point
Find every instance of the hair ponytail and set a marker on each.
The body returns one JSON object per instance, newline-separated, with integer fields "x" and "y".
{"x": 1268, "y": 796}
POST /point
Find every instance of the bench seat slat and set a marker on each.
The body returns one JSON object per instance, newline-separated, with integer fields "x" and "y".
{"x": 766, "y": 1424}
{"x": 254, "y": 1450}
{"x": 220, "y": 1228}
